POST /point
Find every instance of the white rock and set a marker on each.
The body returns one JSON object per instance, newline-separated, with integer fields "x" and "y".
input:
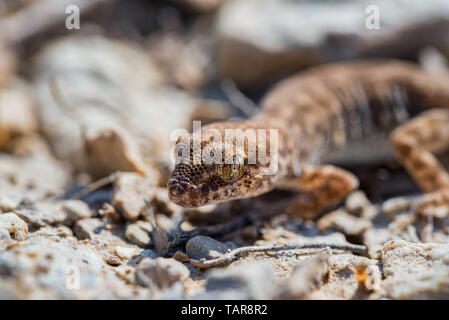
{"x": 263, "y": 38}
{"x": 137, "y": 235}
{"x": 415, "y": 270}
{"x": 164, "y": 271}
{"x": 126, "y": 252}
{"x": 75, "y": 210}
{"x": 16, "y": 227}
{"x": 246, "y": 280}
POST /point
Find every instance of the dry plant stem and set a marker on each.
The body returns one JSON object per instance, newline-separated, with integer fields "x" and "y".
{"x": 168, "y": 243}
{"x": 233, "y": 255}
{"x": 177, "y": 240}
{"x": 237, "y": 98}
{"x": 95, "y": 186}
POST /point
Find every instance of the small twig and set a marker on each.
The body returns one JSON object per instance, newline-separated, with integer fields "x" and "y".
{"x": 150, "y": 214}
{"x": 237, "y": 98}
{"x": 177, "y": 240}
{"x": 158, "y": 237}
{"x": 233, "y": 255}
{"x": 95, "y": 186}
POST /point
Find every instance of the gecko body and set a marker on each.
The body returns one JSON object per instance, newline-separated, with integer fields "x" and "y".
{"x": 333, "y": 113}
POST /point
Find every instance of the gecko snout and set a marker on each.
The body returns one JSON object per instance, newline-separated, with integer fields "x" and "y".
{"x": 176, "y": 188}
{"x": 181, "y": 192}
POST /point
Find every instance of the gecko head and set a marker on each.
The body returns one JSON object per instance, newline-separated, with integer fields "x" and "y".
{"x": 224, "y": 175}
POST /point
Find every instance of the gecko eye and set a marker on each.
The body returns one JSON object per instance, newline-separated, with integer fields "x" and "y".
{"x": 232, "y": 169}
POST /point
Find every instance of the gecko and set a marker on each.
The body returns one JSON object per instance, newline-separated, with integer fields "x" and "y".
{"x": 344, "y": 111}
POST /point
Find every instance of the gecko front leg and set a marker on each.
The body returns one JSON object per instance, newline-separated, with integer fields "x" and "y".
{"x": 415, "y": 144}
{"x": 323, "y": 186}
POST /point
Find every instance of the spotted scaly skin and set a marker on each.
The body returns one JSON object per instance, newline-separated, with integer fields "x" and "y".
{"x": 331, "y": 113}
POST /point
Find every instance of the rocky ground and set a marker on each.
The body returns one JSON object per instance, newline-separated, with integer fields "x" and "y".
{"x": 100, "y": 103}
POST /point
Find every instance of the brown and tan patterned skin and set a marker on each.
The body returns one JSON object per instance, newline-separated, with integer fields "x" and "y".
{"x": 331, "y": 113}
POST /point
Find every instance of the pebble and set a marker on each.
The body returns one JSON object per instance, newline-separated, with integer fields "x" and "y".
{"x": 75, "y": 210}
{"x": 112, "y": 260}
{"x": 103, "y": 142}
{"x": 52, "y": 232}
{"x": 137, "y": 235}
{"x": 126, "y": 252}
{"x": 87, "y": 228}
{"x": 164, "y": 272}
{"x": 42, "y": 214}
{"x": 306, "y": 276}
{"x": 148, "y": 253}
{"x": 17, "y": 116}
{"x": 205, "y": 247}
{"x": 5, "y": 237}
{"x": 126, "y": 273}
{"x": 356, "y": 202}
{"x": 164, "y": 222}
{"x": 246, "y": 280}
{"x": 130, "y": 192}
{"x": 13, "y": 225}
{"x": 145, "y": 225}
{"x": 8, "y": 203}
{"x": 341, "y": 221}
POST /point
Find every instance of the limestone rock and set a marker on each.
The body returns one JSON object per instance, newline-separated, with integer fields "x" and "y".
{"x": 13, "y": 225}
{"x": 415, "y": 270}
{"x": 42, "y": 214}
{"x": 17, "y": 117}
{"x": 130, "y": 192}
{"x": 110, "y": 150}
{"x": 248, "y": 280}
{"x": 137, "y": 235}
{"x": 344, "y": 222}
{"x": 260, "y": 39}
{"x": 111, "y": 96}
{"x": 46, "y": 269}
{"x": 75, "y": 210}
{"x": 163, "y": 271}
